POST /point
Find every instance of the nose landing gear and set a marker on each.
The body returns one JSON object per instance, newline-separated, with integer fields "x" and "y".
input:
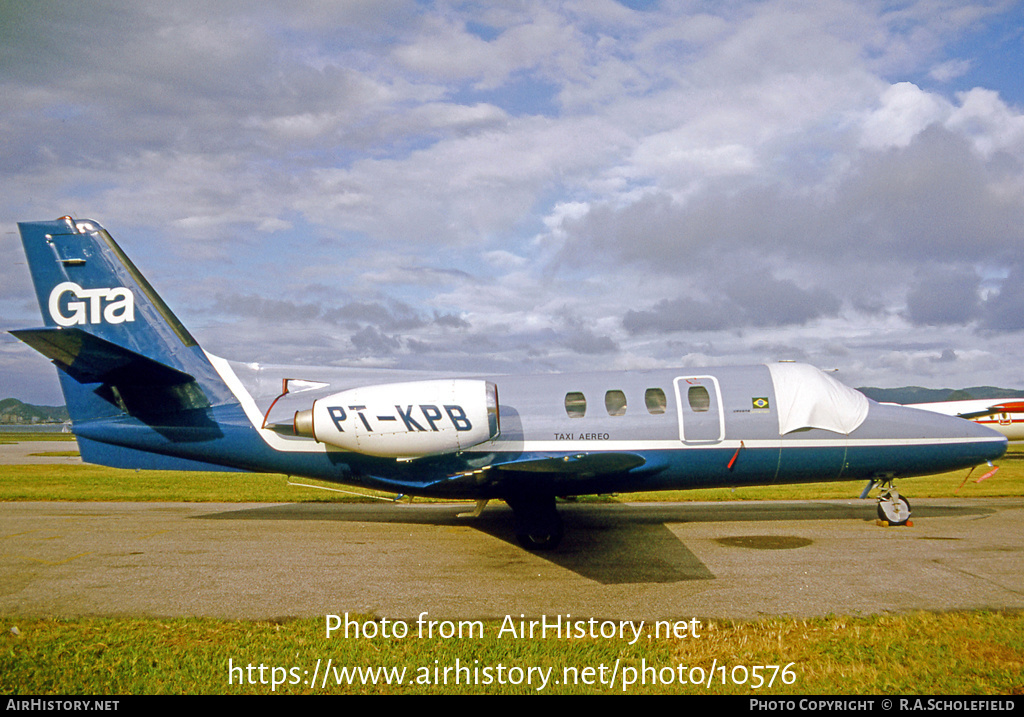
{"x": 893, "y": 508}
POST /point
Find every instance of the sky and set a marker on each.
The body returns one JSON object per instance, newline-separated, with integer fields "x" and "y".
{"x": 536, "y": 186}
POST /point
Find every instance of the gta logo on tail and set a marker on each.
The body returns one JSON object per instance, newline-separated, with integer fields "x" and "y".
{"x": 91, "y": 306}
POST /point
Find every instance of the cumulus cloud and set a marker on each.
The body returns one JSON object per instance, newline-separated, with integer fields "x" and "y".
{"x": 539, "y": 184}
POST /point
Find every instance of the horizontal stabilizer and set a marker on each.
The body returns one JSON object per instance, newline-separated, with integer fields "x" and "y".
{"x": 90, "y": 359}
{"x": 131, "y": 382}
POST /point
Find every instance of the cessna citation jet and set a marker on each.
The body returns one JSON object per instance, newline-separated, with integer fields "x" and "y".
{"x": 143, "y": 394}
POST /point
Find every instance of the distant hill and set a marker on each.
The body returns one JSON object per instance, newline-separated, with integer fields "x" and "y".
{"x": 916, "y": 394}
{"x": 14, "y": 412}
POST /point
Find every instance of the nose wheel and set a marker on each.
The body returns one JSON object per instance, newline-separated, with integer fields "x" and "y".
{"x": 892, "y": 507}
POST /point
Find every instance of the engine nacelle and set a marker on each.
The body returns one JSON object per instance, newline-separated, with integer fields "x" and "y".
{"x": 405, "y": 420}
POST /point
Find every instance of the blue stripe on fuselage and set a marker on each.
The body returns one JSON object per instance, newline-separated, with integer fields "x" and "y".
{"x": 224, "y": 436}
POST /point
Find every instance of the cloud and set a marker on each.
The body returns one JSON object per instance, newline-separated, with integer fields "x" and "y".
{"x": 538, "y": 184}
{"x": 945, "y": 296}
{"x": 735, "y": 302}
{"x": 934, "y": 200}
{"x": 370, "y": 341}
{"x": 992, "y": 125}
{"x": 950, "y": 69}
{"x": 1005, "y": 310}
{"x": 905, "y": 112}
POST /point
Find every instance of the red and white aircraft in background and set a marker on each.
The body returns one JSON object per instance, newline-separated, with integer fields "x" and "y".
{"x": 1005, "y": 415}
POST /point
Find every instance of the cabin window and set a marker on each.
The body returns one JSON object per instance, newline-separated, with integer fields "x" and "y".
{"x": 654, "y": 399}
{"x": 575, "y": 404}
{"x": 699, "y": 398}
{"x": 615, "y": 403}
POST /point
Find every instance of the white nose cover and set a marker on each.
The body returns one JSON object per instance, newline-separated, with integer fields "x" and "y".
{"x": 806, "y": 397}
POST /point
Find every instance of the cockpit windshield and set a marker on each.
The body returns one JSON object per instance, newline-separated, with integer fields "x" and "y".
{"x": 806, "y": 397}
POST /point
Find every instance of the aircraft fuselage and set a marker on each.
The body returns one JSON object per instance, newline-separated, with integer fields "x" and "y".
{"x": 642, "y": 420}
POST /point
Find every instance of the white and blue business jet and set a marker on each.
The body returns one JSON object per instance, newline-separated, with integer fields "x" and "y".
{"x": 143, "y": 394}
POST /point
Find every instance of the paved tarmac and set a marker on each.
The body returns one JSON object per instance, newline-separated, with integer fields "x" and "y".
{"x": 622, "y": 561}
{"x": 37, "y": 452}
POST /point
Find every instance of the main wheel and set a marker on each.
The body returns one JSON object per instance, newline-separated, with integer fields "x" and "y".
{"x": 538, "y": 525}
{"x": 540, "y": 539}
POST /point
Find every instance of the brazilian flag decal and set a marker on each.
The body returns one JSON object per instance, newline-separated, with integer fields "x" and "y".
{"x": 760, "y": 404}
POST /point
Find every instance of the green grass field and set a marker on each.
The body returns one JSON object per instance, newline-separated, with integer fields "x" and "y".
{"x": 922, "y": 653}
{"x": 975, "y": 653}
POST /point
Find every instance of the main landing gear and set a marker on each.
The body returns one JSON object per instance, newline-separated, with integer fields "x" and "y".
{"x": 537, "y": 523}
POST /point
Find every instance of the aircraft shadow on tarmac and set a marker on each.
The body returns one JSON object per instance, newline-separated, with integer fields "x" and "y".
{"x": 608, "y": 543}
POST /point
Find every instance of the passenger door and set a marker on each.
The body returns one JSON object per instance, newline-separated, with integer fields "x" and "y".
{"x": 701, "y": 417}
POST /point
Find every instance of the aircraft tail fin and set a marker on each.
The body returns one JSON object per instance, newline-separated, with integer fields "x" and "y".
{"x": 119, "y": 348}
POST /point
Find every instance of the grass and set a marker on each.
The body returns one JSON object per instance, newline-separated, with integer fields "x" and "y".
{"x": 976, "y": 653}
{"x": 7, "y": 437}
{"x": 83, "y": 482}
{"x": 945, "y": 654}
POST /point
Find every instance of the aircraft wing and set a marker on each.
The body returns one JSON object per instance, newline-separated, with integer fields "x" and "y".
{"x": 583, "y": 465}
{"x": 561, "y": 469}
